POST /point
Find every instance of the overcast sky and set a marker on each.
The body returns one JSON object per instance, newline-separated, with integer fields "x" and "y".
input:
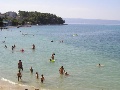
{"x": 86, "y": 9}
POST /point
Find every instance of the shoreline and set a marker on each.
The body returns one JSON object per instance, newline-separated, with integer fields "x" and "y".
{"x": 9, "y": 85}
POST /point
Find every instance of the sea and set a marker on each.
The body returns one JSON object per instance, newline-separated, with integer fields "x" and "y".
{"x": 79, "y": 48}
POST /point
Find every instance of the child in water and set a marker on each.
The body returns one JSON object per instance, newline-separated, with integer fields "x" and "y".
{"x": 33, "y": 46}
{"x": 31, "y": 70}
{"x": 66, "y": 74}
{"x": 19, "y": 75}
{"x": 42, "y": 78}
{"x": 37, "y": 76}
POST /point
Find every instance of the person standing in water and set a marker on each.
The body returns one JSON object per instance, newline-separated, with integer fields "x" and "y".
{"x": 12, "y": 47}
{"x": 42, "y": 78}
{"x": 61, "y": 70}
{"x": 33, "y": 46}
{"x": 53, "y": 56}
{"x": 5, "y": 46}
{"x": 31, "y": 70}
{"x": 37, "y": 76}
{"x": 19, "y": 75}
{"x": 20, "y": 65}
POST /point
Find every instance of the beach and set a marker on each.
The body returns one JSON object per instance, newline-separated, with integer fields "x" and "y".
{"x": 78, "y": 48}
{"x": 4, "y": 85}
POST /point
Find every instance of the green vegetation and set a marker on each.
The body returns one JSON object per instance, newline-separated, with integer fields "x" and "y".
{"x": 31, "y": 18}
{"x": 25, "y": 17}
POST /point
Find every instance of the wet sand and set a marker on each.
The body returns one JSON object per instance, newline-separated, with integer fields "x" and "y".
{"x": 8, "y": 86}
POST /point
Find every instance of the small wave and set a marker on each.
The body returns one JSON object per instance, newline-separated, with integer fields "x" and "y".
{"x": 3, "y": 79}
{"x": 13, "y": 83}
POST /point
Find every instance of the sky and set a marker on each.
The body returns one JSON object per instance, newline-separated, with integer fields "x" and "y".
{"x": 85, "y": 9}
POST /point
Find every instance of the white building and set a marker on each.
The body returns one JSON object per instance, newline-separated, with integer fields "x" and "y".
{"x": 11, "y": 14}
{"x": 2, "y": 15}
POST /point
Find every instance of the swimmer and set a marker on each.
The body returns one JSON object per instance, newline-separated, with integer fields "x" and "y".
{"x": 22, "y": 50}
{"x": 42, "y": 78}
{"x": 37, "y": 76}
{"x": 61, "y": 41}
{"x": 66, "y": 74}
{"x": 20, "y": 65}
{"x": 61, "y": 70}
{"x": 53, "y": 56}
{"x": 19, "y": 75}
{"x": 33, "y": 46}
{"x": 5, "y": 46}
{"x": 31, "y": 70}
{"x": 99, "y": 65}
{"x": 12, "y": 47}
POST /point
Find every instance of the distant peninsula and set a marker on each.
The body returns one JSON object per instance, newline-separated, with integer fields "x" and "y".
{"x": 29, "y": 18}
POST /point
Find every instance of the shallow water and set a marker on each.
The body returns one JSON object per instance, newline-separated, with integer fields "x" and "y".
{"x": 79, "y": 55}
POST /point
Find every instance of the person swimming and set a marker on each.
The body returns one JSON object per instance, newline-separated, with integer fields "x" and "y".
{"x": 22, "y": 50}
{"x": 99, "y": 65}
{"x": 19, "y": 75}
{"x": 42, "y": 78}
{"x": 53, "y": 56}
{"x": 20, "y": 65}
{"x": 52, "y": 41}
{"x": 31, "y": 70}
{"x": 61, "y": 70}
{"x": 33, "y": 46}
{"x": 5, "y": 46}
{"x": 66, "y": 74}
{"x": 37, "y": 76}
{"x": 12, "y": 47}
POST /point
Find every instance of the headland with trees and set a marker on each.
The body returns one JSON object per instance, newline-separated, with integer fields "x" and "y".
{"x": 29, "y": 18}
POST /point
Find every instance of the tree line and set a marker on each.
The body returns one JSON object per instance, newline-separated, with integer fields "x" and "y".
{"x": 33, "y": 18}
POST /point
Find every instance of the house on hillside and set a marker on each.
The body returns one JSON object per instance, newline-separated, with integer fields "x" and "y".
{"x": 2, "y": 15}
{"x": 11, "y": 14}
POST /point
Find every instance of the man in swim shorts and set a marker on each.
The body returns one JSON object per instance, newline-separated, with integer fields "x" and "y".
{"x": 20, "y": 65}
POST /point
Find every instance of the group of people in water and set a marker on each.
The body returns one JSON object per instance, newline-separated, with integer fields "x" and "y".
{"x": 42, "y": 77}
{"x": 22, "y": 50}
{"x": 13, "y": 47}
{"x": 62, "y": 71}
{"x": 20, "y": 67}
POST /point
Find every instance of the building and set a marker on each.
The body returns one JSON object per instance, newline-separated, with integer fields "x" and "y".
{"x": 2, "y": 15}
{"x": 11, "y": 14}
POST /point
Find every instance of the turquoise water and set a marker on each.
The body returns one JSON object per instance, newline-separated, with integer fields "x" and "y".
{"x": 79, "y": 55}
